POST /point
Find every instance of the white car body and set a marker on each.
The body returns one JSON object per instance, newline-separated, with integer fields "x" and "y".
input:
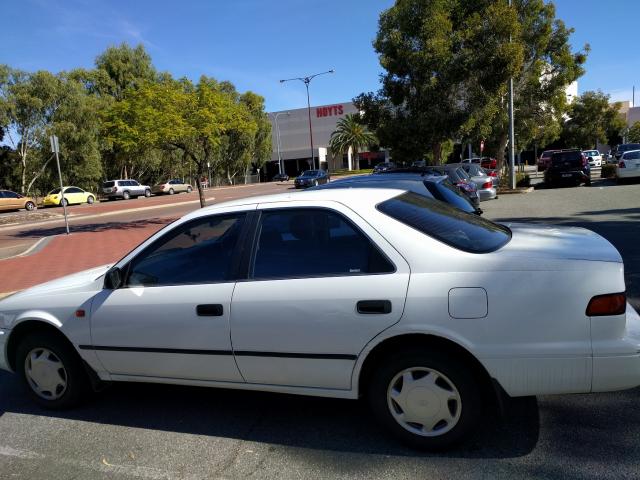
{"x": 304, "y": 336}
{"x": 594, "y": 157}
{"x": 629, "y": 165}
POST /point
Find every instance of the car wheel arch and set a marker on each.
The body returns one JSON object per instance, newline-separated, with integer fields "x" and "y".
{"x": 28, "y": 327}
{"x": 398, "y": 343}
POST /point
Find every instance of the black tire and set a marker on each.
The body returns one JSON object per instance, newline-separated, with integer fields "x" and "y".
{"x": 64, "y": 202}
{"x": 29, "y": 206}
{"x": 587, "y": 183}
{"x": 126, "y": 195}
{"x": 189, "y": 189}
{"x": 147, "y": 193}
{"x": 90, "y": 199}
{"x": 78, "y": 384}
{"x": 171, "y": 191}
{"x": 456, "y": 371}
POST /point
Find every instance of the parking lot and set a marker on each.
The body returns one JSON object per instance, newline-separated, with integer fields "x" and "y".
{"x": 157, "y": 431}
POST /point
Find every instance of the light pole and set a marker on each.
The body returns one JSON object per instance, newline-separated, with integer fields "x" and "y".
{"x": 279, "y": 146}
{"x": 512, "y": 140}
{"x": 307, "y": 81}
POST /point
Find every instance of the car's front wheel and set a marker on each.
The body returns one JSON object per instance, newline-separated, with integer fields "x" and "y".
{"x": 65, "y": 202}
{"x": 189, "y": 189}
{"x": 429, "y": 400}
{"x": 90, "y": 199}
{"x": 30, "y": 206}
{"x": 51, "y": 371}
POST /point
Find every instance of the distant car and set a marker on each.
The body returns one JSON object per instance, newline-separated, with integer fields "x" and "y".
{"x": 488, "y": 162}
{"x": 476, "y": 160}
{"x": 14, "y": 201}
{"x": 124, "y": 189}
{"x": 594, "y": 157}
{"x": 432, "y": 186}
{"x": 311, "y": 178}
{"x": 545, "y": 160}
{"x": 568, "y": 167}
{"x": 419, "y": 163}
{"x": 629, "y": 165}
{"x": 72, "y": 195}
{"x": 172, "y": 186}
{"x": 460, "y": 179}
{"x": 625, "y": 147}
{"x": 484, "y": 183}
{"x": 280, "y": 177}
{"x": 383, "y": 167}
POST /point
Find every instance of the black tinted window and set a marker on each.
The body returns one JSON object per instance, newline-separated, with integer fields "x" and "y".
{"x": 449, "y": 225}
{"x": 73, "y": 190}
{"x": 313, "y": 243}
{"x": 446, "y": 192}
{"x": 108, "y": 184}
{"x": 561, "y": 157}
{"x": 198, "y": 252}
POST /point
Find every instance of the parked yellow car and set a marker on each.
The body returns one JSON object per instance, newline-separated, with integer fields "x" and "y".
{"x": 71, "y": 195}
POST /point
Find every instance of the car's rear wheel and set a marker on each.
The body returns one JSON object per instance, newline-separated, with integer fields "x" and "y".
{"x": 90, "y": 199}
{"x": 64, "y": 202}
{"x": 147, "y": 193}
{"x": 51, "y": 371}
{"x": 428, "y": 399}
{"x": 171, "y": 191}
{"x": 30, "y": 206}
{"x": 126, "y": 195}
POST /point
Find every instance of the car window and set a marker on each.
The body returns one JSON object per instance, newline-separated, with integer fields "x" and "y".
{"x": 2, "y": 194}
{"x": 295, "y": 243}
{"x": 108, "y": 184}
{"x": 54, "y": 191}
{"x": 201, "y": 251}
{"x": 632, "y": 155}
{"x": 448, "y": 193}
{"x": 72, "y": 190}
{"x": 8, "y": 194}
{"x": 134, "y": 183}
{"x": 454, "y": 227}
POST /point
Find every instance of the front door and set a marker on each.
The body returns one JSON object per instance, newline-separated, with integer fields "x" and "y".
{"x": 321, "y": 285}
{"x": 170, "y": 319}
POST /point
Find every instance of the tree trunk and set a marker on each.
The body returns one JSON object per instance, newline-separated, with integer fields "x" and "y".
{"x": 200, "y": 174}
{"x": 436, "y": 149}
{"x": 23, "y": 158}
{"x": 500, "y": 155}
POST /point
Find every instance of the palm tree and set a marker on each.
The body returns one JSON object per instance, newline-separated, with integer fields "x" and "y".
{"x": 350, "y": 133}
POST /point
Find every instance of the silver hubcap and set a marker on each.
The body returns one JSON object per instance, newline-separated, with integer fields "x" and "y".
{"x": 45, "y": 373}
{"x": 424, "y": 401}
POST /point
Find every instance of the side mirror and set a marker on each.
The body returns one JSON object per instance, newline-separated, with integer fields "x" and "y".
{"x": 113, "y": 279}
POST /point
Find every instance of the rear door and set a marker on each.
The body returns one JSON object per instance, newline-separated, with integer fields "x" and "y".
{"x": 321, "y": 284}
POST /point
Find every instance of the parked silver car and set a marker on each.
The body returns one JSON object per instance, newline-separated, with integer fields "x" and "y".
{"x": 125, "y": 189}
{"x": 486, "y": 184}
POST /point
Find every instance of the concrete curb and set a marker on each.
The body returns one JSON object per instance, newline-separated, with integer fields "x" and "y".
{"x": 516, "y": 191}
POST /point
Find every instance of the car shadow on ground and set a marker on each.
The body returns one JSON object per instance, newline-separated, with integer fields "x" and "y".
{"x": 93, "y": 227}
{"x": 289, "y": 420}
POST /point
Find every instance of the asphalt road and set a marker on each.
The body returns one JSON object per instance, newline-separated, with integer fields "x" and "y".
{"x": 156, "y": 432}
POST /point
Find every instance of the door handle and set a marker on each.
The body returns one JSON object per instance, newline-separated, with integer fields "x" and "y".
{"x": 209, "y": 310}
{"x": 373, "y": 306}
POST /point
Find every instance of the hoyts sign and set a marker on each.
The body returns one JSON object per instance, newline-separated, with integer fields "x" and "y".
{"x": 329, "y": 111}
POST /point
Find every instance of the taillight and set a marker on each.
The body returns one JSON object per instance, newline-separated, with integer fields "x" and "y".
{"x": 584, "y": 161}
{"x": 621, "y": 164}
{"x": 493, "y": 174}
{"x": 487, "y": 185}
{"x": 609, "y": 304}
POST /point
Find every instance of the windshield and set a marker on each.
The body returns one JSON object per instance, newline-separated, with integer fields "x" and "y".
{"x": 629, "y": 146}
{"x": 54, "y": 191}
{"x": 449, "y": 225}
{"x": 310, "y": 173}
{"x": 108, "y": 184}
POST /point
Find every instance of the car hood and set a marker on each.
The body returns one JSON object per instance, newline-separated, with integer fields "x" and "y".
{"x": 85, "y": 281}
{"x": 559, "y": 243}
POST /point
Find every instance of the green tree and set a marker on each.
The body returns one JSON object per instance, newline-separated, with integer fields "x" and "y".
{"x": 350, "y": 133}
{"x": 445, "y": 60}
{"x": 592, "y": 120}
{"x": 633, "y": 134}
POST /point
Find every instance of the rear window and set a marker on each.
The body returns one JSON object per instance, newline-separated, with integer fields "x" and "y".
{"x": 560, "y": 157}
{"x": 108, "y": 184}
{"x": 449, "y": 225}
{"x": 446, "y": 192}
{"x": 629, "y": 146}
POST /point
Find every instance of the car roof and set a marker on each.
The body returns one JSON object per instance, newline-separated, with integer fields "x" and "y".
{"x": 391, "y": 177}
{"x": 630, "y": 151}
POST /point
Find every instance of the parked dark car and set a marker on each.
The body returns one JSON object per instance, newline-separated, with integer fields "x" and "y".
{"x": 311, "y": 178}
{"x": 618, "y": 150}
{"x": 460, "y": 179}
{"x": 568, "y": 167}
{"x": 432, "y": 186}
{"x": 383, "y": 167}
{"x": 280, "y": 177}
{"x": 545, "y": 159}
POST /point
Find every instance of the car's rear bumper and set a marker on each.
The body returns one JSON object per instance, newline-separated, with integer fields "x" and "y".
{"x": 633, "y": 172}
{"x": 4, "y": 361}
{"x": 572, "y": 176}
{"x": 620, "y": 370}
{"x": 487, "y": 194}
{"x": 48, "y": 203}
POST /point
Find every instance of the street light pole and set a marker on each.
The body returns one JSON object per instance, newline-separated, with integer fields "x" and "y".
{"x": 278, "y": 144}
{"x": 512, "y": 173}
{"x": 307, "y": 81}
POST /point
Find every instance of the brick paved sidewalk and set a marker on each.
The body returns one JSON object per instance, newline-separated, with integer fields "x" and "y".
{"x": 68, "y": 254}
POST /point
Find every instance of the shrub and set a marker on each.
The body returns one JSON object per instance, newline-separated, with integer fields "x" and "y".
{"x": 608, "y": 171}
{"x": 523, "y": 180}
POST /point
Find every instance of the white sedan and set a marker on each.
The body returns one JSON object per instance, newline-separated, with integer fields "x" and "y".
{"x": 594, "y": 157}
{"x": 378, "y": 293}
{"x": 628, "y": 166}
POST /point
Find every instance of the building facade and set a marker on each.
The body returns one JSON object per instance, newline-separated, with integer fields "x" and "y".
{"x": 292, "y": 146}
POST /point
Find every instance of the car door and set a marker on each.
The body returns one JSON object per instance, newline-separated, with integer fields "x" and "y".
{"x": 321, "y": 284}
{"x": 5, "y": 203}
{"x": 170, "y": 318}
{"x": 73, "y": 195}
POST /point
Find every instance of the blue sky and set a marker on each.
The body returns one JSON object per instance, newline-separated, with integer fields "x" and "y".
{"x": 254, "y": 43}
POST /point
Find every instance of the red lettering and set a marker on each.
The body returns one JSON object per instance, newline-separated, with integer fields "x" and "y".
{"x": 340, "y": 110}
{"x": 318, "y": 112}
{"x": 325, "y": 112}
